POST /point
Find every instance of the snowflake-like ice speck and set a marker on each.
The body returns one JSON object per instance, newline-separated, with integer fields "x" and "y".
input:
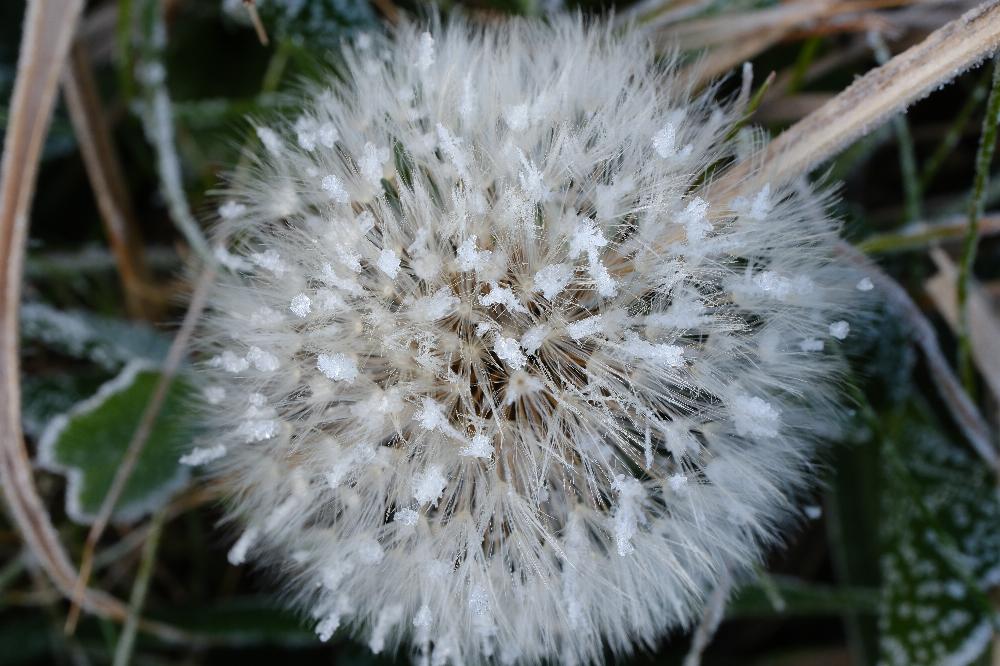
{"x": 493, "y": 377}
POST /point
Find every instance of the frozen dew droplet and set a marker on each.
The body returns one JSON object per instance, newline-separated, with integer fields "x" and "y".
{"x": 301, "y": 305}
{"x": 429, "y": 485}
{"x": 338, "y": 367}
{"x": 755, "y": 417}
{"x": 840, "y": 329}
{"x": 388, "y": 262}
{"x": 334, "y": 187}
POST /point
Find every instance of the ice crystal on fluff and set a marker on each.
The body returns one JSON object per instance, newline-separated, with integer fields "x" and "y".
{"x": 493, "y": 378}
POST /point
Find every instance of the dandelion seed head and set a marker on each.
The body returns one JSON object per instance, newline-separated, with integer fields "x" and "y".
{"x": 490, "y": 374}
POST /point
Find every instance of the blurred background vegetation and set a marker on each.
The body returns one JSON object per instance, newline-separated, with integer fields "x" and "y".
{"x": 897, "y": 558}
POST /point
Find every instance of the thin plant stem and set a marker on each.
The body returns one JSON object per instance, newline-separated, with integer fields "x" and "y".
{"x": 807, "y": 54}
{"x": 168, "y": 372}
{"x": 919, "y": 235}
{"x": 872, "y": 99}
{"x": 904, "y": 140}
{"x": 963, "y": 410}
{"x": 158, "y": 123}
{"x": 124, "y": 59}
{"x": 715, "y": 610}
{"x": 126, "y": 640}
{"x": 954, "y": 133}
{"x": 984, "y": 157}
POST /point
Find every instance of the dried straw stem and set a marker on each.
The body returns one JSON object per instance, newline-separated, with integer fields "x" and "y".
{"x": 105, "y": 174}
{"x": 871, "y": 100}
{"x": 48, "y": 31}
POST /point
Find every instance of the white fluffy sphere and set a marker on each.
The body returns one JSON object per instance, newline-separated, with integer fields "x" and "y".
{"x": 488, "y": 377}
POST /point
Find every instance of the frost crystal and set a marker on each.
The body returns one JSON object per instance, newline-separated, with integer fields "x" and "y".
{"x": 429, "y": 486}
{"x": 388, "y": 263}
{"x": 201, "y": 456}
{"x": 338, "y": 367}
{"x": 553, "y": 279}
{"x": 335, "y": 188}
{"x": 840, "y": 329}
{"x": 301, "y": 305}
{"x": 493, "y": 376}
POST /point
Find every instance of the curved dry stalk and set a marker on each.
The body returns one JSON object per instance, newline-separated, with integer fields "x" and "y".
{"x": 710, "y": 620}
{"x": 48, "y": 31}
{"x": 961, "y": 407}
{"x": 871, "y": 100}
{"x": 106, "y": 179}
{"x": 258, "y": 25}
{"x": 168, "y": 371}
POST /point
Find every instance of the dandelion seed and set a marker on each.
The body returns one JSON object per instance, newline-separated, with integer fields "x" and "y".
{"x": 486, "y": 412}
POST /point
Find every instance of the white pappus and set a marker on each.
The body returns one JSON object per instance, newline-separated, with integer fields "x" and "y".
{"x": 497, "y": 380}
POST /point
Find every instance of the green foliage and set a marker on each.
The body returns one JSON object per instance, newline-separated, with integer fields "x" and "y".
{"x": 88, "y": 442}
{"x": 44, "y": 396}
{"x": 108, "y": 343}
{"x": 941, "y": 551}
{"x": 315, "y": 22}
{"x": 242, "y": 622}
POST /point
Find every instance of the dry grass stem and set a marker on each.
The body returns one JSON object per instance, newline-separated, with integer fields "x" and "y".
{"x": 168, "y": 371}
{"x": 920, "y": 234}
{"x": 872, "y": 99}
{"x": 961, "y": 407}
{"x": 105, "y": 174}
{"x": 46, "y": 37}
{"x": 258, "y": 25}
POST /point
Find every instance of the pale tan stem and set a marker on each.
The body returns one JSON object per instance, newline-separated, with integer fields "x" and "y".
{"x": 870, "y": 101}
{"x": 48, "y": 31}
{"x": 106, "y": 179}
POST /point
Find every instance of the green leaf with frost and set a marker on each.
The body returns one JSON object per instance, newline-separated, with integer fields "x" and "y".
{"x": 110, "y": 343}
{"x": 942, "y": 552}
{"x": 44, "y": 396}
{"x": 87, "y": 444}
{"x": 314, "y": 22}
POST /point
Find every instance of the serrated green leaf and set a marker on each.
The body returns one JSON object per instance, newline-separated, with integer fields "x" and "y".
{"x": 942, "y": 551}
{"x": 87, "y": 444}
{"x": 44, "y": 397}
{"x": 315, "y": 22}
{"x": 109, "y": 343}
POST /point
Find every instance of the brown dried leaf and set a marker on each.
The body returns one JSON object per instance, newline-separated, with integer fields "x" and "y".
{"x": 984, "y": 324}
